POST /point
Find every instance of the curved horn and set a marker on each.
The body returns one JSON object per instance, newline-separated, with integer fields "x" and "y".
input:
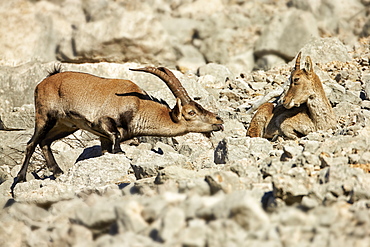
{"x": 298, "y": 61}
{"x": 171, "y": 81}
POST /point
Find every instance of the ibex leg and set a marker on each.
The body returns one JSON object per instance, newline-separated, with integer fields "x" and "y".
{"x": 58, "y": 132}
{"x": 41, "y": 129}
{"x": 259, "y": 120}
{"x": 106, "y": 145}
{"x": 113, "y": 136}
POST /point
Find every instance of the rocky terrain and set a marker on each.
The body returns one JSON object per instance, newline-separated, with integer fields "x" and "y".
{"x": 225, "y": 190}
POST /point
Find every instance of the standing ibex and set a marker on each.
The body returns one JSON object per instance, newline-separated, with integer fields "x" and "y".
{"x": 305, "y": 108}
{"x": 113, "y": 109}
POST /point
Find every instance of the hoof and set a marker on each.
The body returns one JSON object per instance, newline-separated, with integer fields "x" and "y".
{"x": 20, "y": 179}
{"x": 57, "y": 172}
{"x": 118, "y": 151}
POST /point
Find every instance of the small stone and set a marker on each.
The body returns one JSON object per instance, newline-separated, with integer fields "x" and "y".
{"x": 172, "y": 224}
{"x": 129, "y": 217}
{"x": 309, "y": 203}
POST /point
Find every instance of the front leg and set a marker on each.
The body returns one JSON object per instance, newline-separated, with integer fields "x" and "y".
{"x": 106, "y": 145}
{"x": 116, "y": 144}
{"x": 297, "y": 126}
{"x": 288, "y": 131}
{"x": 112, "y": 137}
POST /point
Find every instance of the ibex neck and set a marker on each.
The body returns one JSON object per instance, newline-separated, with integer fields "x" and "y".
{"x": 321, "y": 113}
{"x": 160, "y": 125}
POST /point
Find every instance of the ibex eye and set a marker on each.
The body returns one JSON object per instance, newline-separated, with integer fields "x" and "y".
{"x": 296, "y": 79}
{"x": 191, "y": 113}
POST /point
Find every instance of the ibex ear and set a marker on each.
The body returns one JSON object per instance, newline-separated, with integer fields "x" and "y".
{"x": 176, "y": 112}
{"x": 308, "y": 64}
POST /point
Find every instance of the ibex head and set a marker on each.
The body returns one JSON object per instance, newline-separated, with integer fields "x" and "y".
{"x": 304, "y": 84}
{"x": 186, "y": 111}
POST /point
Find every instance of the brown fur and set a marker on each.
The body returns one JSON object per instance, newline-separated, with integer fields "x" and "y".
{"x": 114, "y": 109}
{"x": 305, "y": 108}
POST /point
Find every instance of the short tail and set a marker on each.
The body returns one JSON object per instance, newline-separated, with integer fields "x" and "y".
{"x": 55, "y": 70}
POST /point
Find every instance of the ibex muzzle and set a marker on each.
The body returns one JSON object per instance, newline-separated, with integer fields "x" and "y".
{"x": 113, "y": 109}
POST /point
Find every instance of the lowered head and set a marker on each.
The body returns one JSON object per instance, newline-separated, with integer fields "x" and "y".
{"x": 186, "y": 111}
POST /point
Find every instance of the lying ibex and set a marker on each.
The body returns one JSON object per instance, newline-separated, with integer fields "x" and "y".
{"x": 305, "y": 108}
{"x": 114, "y": 109}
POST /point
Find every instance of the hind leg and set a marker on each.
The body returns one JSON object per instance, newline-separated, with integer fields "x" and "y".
{"x": 58, "y": 132}
{"x": 43, "y": 126}
{"x": 260, "y": 120}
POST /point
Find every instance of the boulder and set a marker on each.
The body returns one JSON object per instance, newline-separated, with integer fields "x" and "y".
{"x": 128, "y": 33}
{"x": 324, "y": 50}
{"x": 99, "y": 171}
{"x": 276, "y": 38}
{"x": 43, "y": 192}
{"x": 149, "y": 164}
{"x": 221, "y": 73}
{"x": 24, "y": 46}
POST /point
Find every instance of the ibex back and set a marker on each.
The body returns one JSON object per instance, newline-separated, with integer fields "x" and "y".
{"x": 305, "y": 108}
{"x": 114, "y": 109}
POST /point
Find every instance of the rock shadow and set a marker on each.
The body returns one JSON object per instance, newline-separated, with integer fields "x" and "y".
{"x": 90, "y": 152}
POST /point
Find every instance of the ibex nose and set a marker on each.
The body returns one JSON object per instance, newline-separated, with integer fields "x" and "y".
{"x": 288, "y": 104}
{"x": 285, "y": 102}
{"x": 218, "y": 126}
{"x": 219, "y": 119}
